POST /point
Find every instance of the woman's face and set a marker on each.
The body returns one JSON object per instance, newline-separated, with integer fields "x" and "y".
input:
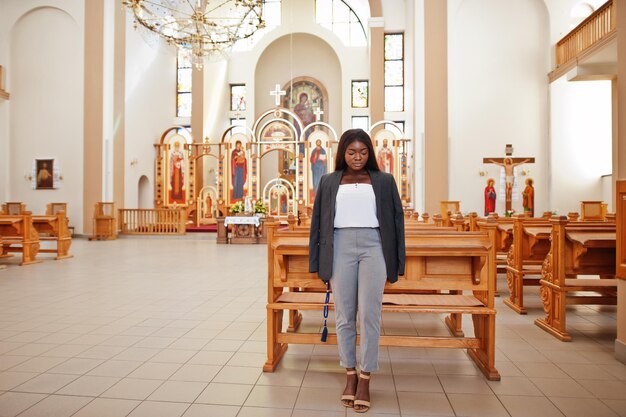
{"x": 356, "y": 155}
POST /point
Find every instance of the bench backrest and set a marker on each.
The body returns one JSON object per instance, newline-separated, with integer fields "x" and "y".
{"x": 435, "y": 260}
{"x": 583, "y": 247}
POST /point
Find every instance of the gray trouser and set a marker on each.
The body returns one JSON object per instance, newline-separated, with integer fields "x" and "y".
{"x": 359, "y": 276}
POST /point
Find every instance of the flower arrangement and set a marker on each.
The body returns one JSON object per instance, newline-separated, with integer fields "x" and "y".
{"x": 509, "y": 213}
{"x": 236, "y": 208}
{"x": 259, "y": 207}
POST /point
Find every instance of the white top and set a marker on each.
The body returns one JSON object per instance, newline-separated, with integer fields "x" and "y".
{"x": 355, "y": 206}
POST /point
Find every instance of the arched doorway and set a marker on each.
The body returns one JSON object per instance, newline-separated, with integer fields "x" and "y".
{"x": 144, "y": 193}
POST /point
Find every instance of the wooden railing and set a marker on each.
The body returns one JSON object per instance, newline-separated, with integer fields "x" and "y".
{"x": 152, "y": 221}
{"x": 595, "y": 27}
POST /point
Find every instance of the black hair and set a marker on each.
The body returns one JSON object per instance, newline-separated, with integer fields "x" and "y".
{"x": 355, "y": 135}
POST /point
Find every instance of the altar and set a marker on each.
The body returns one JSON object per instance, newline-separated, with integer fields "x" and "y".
{"x": 246, "y": 229}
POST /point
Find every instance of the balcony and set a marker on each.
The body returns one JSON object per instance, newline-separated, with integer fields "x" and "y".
{"x": 589, "y": 51}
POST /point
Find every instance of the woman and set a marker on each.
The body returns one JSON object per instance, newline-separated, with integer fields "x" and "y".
{"x": 357, "y": 238}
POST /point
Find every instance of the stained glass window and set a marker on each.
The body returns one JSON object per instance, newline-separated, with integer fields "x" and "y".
{"x": 360, "y": 93}
{"x": 241, "y": 126}
{"x": 238, "y": 97}
{"x": 394, "y": 72}
{"x": 339, "y": 17}
{"x": 183, "y": 105}
{"x": 361, "y": 122}
{"x": 183, "y": 85}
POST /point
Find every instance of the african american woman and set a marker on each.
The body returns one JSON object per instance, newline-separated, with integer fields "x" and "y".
{"x": 357, "y": 244}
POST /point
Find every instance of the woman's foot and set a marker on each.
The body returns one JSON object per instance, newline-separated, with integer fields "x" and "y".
{"x": 362, "y": 396}
{"x": 347, "y": 399}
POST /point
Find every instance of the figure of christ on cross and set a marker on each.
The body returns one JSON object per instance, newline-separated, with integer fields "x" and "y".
{"x": 508, "y": 164}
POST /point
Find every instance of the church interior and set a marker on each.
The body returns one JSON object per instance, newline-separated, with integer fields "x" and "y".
{"x": 159, "y": 162}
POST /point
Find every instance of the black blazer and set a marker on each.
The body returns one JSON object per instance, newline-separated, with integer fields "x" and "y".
{"x": 390, "y": 219}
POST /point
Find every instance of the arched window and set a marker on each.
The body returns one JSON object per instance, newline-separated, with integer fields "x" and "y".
{"x": 338, "y": 16}
{"x": 272, "y": 15}
{"x": 580, "y": 12}
{"x": 183, "y": 85}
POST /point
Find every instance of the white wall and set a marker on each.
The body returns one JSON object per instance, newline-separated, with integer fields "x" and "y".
{"x": 498, "y": 94}
{"x": 46, "y": 112}
{"x": 308, "y": 51}
{"x": 150, "y": 107}
{"x": 580, "y": 142}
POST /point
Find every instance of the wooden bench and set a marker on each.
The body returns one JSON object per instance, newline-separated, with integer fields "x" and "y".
{"x": 531, "y": 244}
{"x": 577, "y": 249}
{"x": 19, "y": 235}
{"x": 54, "y": 228}
{"x": 2, "y": 266}
{"x": 437, "y": 261}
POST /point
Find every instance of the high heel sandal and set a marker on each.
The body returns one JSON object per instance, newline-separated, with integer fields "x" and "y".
{"x": 362, "y": 403}
{"x": 348, "y": 397}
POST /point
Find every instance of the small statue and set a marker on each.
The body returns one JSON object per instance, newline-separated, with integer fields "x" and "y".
{"x": 247, "y": 205}
{"x": 528, "y": 198}
{"x": 490, "y": 197}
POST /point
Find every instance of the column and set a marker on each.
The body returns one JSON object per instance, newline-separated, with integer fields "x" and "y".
{"x": 93, "y": 110}
{"x": 435, "y": 104}
{"x": 619, "y": 119}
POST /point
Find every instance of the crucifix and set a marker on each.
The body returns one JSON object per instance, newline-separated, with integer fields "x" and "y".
{"x": 318, "y": 114}
{"x": 508, "y": 163}
{"x": 278, "y": 93}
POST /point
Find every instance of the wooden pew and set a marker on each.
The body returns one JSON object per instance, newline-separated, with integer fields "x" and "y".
{"x": 437, "y": 261}
{"x": 54, "y": 228}
{"x": 19, "y": 235}
{"x": 1, "y": 265}
{"x": 531, "y": 243}
{"x": 13, "y": 208}
{"x": 577, "y": 249}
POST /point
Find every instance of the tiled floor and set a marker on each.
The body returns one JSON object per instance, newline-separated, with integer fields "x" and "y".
{"x": 176, "y": 327}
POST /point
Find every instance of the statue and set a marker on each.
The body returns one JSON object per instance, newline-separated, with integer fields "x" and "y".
{"x": 490, "y": 197}
{"x": 508, "y": 163}
{"x": 528, "y": 198}
{"x": 208, "y": 207}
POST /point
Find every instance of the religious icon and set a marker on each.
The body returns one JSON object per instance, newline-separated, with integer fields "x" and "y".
{"x": 303, "y": 96}
{"x": 304, "y": 109}
{"x": 490, "y": 197}
{"x": 208, "y": 206}
{"x": 318, "y": 164}
{"x": 177, "y": 175}
{"x": 45, "y": 174}
{"x": 385, "y": 157}
{"x": 239, "y": 171}
{"x": 528, "y": 198}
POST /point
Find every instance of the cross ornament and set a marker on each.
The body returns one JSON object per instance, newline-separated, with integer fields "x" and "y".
{"x": 318, "y": 114}
{"x": 278, "y": 93}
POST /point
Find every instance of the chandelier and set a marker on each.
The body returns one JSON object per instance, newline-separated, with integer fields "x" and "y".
{"x": 202, "y": 28}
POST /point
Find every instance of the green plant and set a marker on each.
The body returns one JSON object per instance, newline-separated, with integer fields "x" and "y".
{"x": 259, "y": 207}
{"x": 236, "y": 208}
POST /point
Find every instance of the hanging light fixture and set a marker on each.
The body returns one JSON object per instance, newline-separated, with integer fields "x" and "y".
{"x": 202, "y": 28}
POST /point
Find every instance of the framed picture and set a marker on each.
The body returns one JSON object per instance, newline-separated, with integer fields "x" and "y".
{"x": 305, "y": 96}
{"x": 44, "y": 178}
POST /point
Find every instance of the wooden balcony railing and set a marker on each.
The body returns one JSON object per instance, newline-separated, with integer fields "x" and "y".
{"x": 152, "y": 221}
{"x": 591, "y": 30}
